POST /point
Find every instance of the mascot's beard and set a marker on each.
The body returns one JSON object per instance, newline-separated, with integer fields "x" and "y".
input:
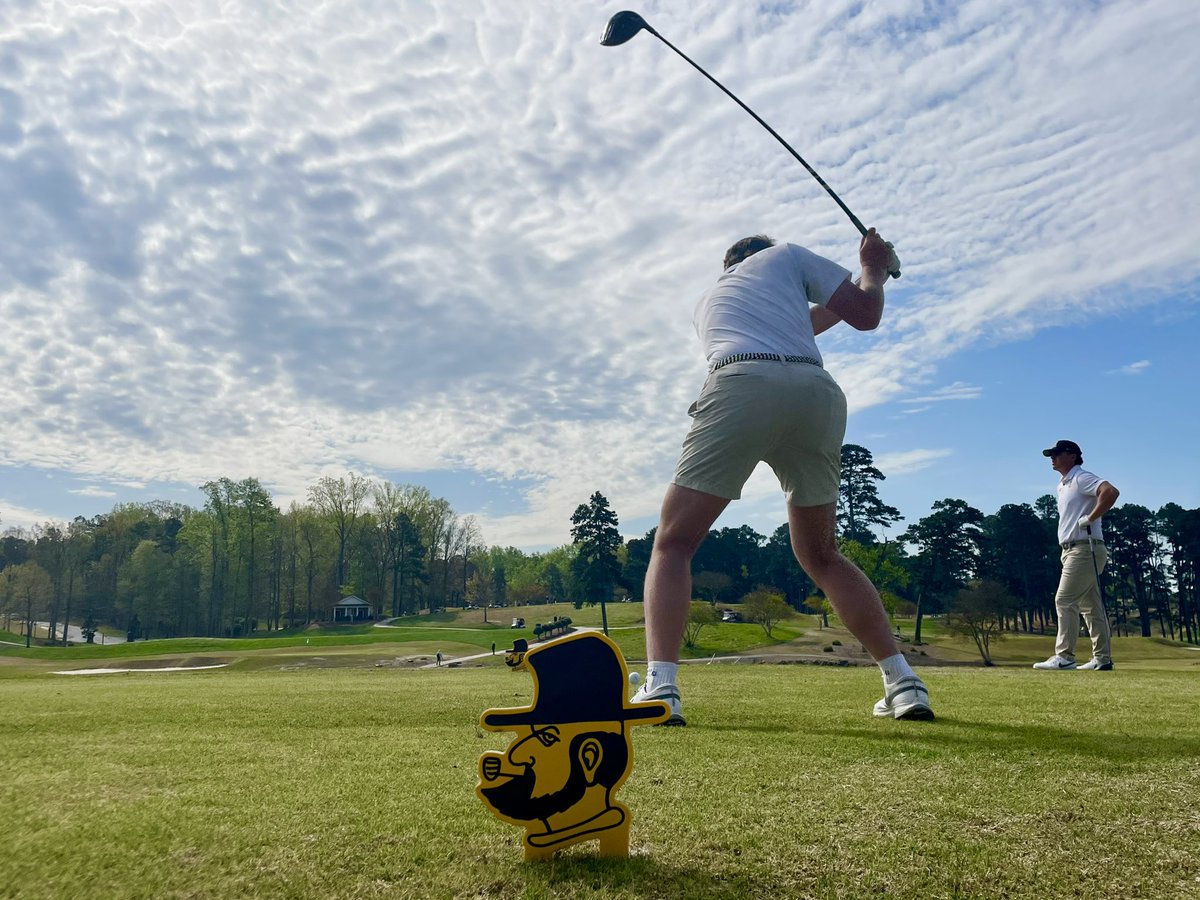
{"x": 514, "y": 799}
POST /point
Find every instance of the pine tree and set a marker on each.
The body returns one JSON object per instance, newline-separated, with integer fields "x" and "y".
{"x": 859, "y": 506}
{"x": 596, "y": 567}
{"x": 947, "y": 543}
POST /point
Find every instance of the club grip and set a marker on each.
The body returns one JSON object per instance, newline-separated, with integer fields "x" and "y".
{"x": 893, "y": 262}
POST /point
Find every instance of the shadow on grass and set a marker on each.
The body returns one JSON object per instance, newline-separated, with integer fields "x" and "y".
{"x": 637, "y": 876}
{"x": 763, "y": 728}
{"x": 950, "y": 734}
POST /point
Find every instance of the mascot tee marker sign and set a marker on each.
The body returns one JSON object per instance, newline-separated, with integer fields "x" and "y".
{"x": 559, "y": 777}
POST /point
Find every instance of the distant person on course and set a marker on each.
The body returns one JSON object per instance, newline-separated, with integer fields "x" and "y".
{"x": 1082, "y": 500}
{"x": 768, "y": 398}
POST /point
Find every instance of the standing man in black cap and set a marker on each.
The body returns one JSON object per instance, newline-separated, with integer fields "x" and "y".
{"x": 1082, "y": 500}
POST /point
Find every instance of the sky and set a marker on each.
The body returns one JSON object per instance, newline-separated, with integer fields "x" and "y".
{"x": 458, "y": 244}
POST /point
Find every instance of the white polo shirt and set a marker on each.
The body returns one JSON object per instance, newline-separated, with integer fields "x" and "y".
{"x": 760, "y": 305}
{"x": 1076, "y": 497}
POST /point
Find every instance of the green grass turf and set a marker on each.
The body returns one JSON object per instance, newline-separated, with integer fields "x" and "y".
{"x": 480, "y": 637}
{"x": 455, "y": 632}
{"x": 358, "y": 782}
{"x": 463, "y": 633}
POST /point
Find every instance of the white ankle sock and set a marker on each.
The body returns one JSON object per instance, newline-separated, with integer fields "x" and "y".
{"x": 894, "y": 668}
{"x": 660, "y": 673}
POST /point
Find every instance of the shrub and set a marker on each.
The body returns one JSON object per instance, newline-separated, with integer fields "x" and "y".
{"x": 765, "y": 608}
{"x": 701, "y": 614}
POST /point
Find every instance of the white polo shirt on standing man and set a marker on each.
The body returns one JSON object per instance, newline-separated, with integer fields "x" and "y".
{"x": 1076, "y": 497}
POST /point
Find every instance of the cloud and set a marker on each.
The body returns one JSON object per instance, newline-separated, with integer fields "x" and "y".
{"x": 907, "y": 462}
{"x": 92, "y": 491}
{"x": 1136, "y": 368}
{"x": 957, "y": 391}
{"x": 436, "y": 237}
{"x": 17, "y": 517}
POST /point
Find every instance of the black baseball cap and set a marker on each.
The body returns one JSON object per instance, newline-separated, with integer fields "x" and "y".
{"x": 1063, "y": 447}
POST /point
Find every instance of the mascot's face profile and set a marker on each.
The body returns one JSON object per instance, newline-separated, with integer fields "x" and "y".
{"x": 572, "y": 749}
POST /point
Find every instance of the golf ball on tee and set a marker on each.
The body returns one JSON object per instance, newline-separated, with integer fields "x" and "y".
{"x": 634, "y": 678}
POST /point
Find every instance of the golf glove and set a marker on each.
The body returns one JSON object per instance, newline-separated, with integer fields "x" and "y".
{"x": 893, "y": 265}
{"x": 1084, "y": 522}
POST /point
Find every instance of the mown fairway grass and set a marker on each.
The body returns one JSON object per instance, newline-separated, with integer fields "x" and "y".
{"x": 458, "y": 633}
{"x": 359, "y": 782}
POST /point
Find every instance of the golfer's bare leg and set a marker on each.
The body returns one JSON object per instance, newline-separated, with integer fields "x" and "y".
{"x": 854, "y": 598}
{"x": 683, "y": 524}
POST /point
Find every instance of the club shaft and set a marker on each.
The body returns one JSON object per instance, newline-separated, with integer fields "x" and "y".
{"x": 788, "y": 147}
{"x": 1096, "y": 569}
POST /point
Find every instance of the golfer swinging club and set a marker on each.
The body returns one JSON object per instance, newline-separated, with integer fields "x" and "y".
{"x": 767, "y": 397}
{"x": 1082, "y": 500}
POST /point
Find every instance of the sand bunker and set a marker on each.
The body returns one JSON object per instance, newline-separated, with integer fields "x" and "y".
{"x": 141, "y": 669}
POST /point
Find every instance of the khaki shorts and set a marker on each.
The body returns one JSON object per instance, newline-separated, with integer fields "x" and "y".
{"x": 789, "y": 415}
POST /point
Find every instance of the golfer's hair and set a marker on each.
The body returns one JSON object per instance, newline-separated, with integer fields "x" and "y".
{"x": 746, "y": 248}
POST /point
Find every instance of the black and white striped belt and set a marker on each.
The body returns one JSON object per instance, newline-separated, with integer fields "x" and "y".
{"x": 768, "y": 357}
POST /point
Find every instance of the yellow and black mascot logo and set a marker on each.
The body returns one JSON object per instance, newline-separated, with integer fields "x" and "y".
{"x": 559, "y": 776}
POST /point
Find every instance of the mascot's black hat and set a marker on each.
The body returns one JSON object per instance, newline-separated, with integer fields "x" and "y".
{"x": 580, "y": 678}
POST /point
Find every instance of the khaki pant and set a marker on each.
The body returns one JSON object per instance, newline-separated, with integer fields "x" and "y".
{"x": 1079, "y": 592}
{"x": 790, "y": 415}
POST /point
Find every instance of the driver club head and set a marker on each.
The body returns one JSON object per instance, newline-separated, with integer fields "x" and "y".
{"x": 623, "y": 26}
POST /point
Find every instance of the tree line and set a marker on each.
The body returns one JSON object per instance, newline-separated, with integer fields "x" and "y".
{"x": 240, "y": 564}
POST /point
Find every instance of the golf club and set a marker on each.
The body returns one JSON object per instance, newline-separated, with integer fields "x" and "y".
{"x": 1096, "y": 569}
{"x": 624, "y": 25}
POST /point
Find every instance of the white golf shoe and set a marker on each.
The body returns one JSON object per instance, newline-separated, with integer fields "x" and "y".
{"x": 907, "y": 698}
{"x": 1055, "y": 662}
{"x": 668, "y": 693}
{"x": 1094, "y": 663}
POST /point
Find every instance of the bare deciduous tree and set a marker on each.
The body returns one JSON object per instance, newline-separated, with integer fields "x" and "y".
{"x": 341, "y": 499}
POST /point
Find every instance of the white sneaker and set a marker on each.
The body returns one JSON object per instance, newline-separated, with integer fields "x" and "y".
{"x": 907, "y": 698}
{"x": 1094, "y": 663}
{"x": 668, "y": 693}
{"x": 1055, "y": 662}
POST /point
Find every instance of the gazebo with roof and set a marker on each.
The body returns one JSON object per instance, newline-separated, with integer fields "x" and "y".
{"x": 351, "y": 609}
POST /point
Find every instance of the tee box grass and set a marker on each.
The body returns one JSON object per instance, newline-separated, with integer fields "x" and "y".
{"x": 359, "y": 782}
